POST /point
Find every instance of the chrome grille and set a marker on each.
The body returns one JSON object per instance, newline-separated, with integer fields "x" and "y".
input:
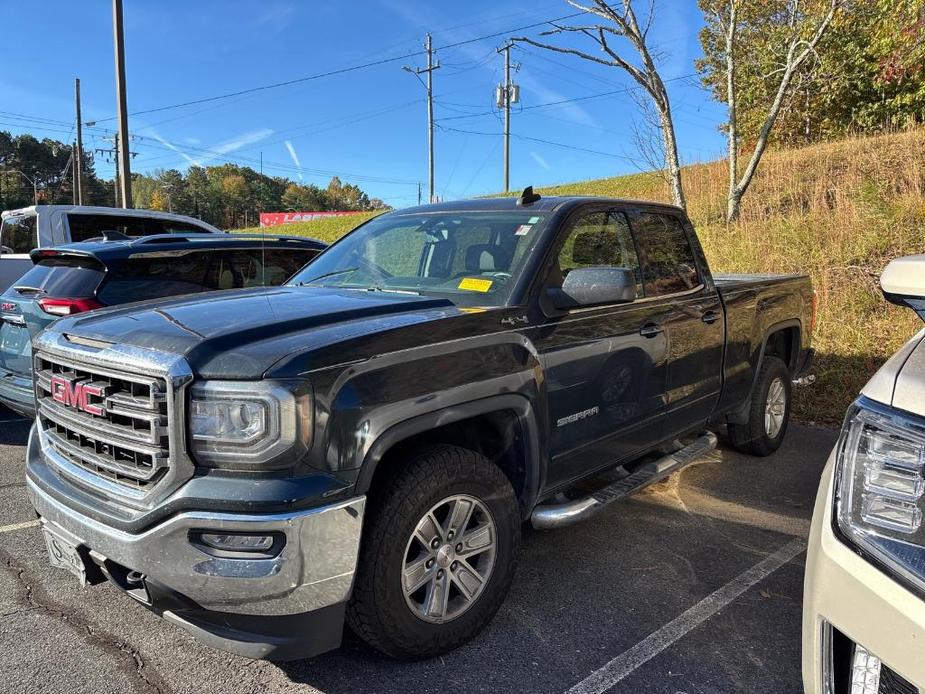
{"x": 120, "y": 434}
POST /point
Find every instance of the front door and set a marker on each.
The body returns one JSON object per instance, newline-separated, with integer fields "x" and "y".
{"x": 605, "y": 366}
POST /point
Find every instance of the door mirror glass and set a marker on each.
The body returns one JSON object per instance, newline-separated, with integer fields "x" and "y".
{"x": 903, "y": 283}
{"x": 594, "y": 286}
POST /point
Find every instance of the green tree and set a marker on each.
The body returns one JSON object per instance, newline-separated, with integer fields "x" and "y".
{"x": 789, "y": 34}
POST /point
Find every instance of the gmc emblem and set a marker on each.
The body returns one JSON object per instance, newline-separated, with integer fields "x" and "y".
{"x": 76, "y": 394}
{"x": 7, "y": 307}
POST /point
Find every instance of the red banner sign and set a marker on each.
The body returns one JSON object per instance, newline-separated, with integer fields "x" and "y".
{"x": 273, "y": 219}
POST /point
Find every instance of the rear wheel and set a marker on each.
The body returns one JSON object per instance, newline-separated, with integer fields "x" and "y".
{"x": 768, "y": 413}
{"x": 438, "y": 554}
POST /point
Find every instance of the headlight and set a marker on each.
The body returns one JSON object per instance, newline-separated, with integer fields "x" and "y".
{"x": 250, "y": 424}
{"x": 880, "y": 489}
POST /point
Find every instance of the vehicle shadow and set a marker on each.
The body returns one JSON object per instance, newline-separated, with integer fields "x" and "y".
{"x": 14, "y": 429}
{"x": 585, "y": 594}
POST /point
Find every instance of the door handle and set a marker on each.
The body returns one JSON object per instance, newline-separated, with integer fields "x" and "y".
{"x": 710, "y": 317}
{"x": 651, "y": 330}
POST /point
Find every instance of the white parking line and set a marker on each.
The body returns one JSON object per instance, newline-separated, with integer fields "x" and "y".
{"x": 18, "y": 526}
{"x": 624, "y": 664}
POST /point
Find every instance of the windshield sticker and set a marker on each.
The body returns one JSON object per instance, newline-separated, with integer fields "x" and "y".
{"x": 534, "y": 220}
{"x": 523, "y": 230}
{"x": 474, "y": 284}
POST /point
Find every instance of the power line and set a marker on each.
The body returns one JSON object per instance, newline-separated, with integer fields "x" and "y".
{"x": 571, "y": 100}
{"x": 343, "y": 70}
{"x": 545, "y": 142}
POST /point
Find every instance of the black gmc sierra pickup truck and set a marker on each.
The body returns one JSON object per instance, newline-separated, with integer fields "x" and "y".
{"x": 365, "y": 442}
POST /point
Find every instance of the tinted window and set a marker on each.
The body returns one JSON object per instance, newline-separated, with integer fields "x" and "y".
{"x": 89, "y": 226}
{"x": 600, "y": 238}
{"x": 63, "y": 278}
{"x": 170, "y": 273}
{"x": 669, "y": 259}
{"x": 18, "y": 235}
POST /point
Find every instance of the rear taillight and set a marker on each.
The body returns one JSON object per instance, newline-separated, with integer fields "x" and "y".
{"x": 67, "y": 307}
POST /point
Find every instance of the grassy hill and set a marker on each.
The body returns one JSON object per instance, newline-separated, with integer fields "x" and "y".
{"x": 837, "y": 211}
{"x": 326, "y": 229}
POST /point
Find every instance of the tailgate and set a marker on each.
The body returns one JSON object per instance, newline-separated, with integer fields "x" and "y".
{"x": 15, "y": 338}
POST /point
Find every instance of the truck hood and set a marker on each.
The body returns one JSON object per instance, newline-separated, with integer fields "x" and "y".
{"x": 900, "y": 382}
{"x": 243, "y": 333}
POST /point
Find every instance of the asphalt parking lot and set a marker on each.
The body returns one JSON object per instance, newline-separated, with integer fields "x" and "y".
{"x": 691, "y": 586}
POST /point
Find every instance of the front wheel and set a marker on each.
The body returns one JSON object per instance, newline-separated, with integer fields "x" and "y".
{"x": 438, "y": 554}
{"x": 768, "y": 413}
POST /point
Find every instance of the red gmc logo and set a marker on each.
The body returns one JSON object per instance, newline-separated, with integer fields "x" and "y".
{"x": 7, "y": 307}
{"x": 76, "y": 394}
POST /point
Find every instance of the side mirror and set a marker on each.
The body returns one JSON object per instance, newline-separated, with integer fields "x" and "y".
{"x": 593, "y": 286}
{"x": 903, "y": 283}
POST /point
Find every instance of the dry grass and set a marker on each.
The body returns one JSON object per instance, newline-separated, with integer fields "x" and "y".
{"x": 838, "y": 212}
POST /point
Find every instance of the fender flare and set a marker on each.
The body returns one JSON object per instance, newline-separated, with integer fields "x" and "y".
{"x": 520, "y": 405}
{"x": 739, "y": 415}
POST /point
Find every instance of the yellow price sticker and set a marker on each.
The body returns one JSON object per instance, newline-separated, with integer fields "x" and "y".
{"x": 474, "y": 284}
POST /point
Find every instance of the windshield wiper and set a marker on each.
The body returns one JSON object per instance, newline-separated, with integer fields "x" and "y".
{"x": 328, "y": 274}
{"x": 392, "y": 291}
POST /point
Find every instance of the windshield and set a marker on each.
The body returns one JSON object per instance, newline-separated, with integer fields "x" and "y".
{"x": 471, "y": 258}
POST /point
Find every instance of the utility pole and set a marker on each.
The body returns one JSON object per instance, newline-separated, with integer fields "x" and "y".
{"x": 419, "y": 192}
{"x": 112, "y": 155}
{"x": 505, "y": 95}
{"x": 78, "y": 150}
{"x": 122, "y": 166}
{"x": 431, "y": 66}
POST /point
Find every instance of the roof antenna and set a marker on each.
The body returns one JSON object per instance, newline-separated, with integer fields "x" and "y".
{"x": 528, "y": 196}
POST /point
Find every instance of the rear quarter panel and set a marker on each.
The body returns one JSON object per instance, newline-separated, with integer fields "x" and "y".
{"x": 756, "y": 307}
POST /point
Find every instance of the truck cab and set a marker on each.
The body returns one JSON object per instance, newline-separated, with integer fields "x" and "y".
{"x": 40, "y": 226}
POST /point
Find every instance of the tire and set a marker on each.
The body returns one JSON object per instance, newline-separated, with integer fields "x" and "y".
{"x": 437, "y": 480}
{"x": 758, "y": 436}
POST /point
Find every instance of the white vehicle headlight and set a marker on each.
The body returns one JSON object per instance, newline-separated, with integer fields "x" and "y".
{"x": 250, "y": 424}
{"x": 880, "y": 489}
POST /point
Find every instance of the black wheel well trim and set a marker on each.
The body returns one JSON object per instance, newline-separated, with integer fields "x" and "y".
{"x": 739, "y": 414}
{"x": 519, "y": 405}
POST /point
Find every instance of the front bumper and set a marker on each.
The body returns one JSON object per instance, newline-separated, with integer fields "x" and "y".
{"x": 847, "y": 595}
{"x": 284, "y": 607}
{"x": 16, "y": 393}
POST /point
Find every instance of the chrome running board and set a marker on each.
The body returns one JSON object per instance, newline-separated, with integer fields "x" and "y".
{"x": 546, "y": 516}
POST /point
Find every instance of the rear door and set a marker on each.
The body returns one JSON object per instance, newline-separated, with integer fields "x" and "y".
{"x": 18, "y": 236}
{"x": 605, "y": 372}
{"x": 692, "y": 316}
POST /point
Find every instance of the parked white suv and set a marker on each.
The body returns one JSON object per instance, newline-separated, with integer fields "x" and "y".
{"x": 864, "y": 602}
{"x": 39, "y": 226}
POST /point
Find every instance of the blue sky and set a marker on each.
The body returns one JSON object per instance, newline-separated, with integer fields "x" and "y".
{"x": 369, "y": 125}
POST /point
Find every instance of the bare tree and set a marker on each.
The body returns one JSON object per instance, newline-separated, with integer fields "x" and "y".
{"x": 622, "y": 23}
{"x": 796, "y": 52}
